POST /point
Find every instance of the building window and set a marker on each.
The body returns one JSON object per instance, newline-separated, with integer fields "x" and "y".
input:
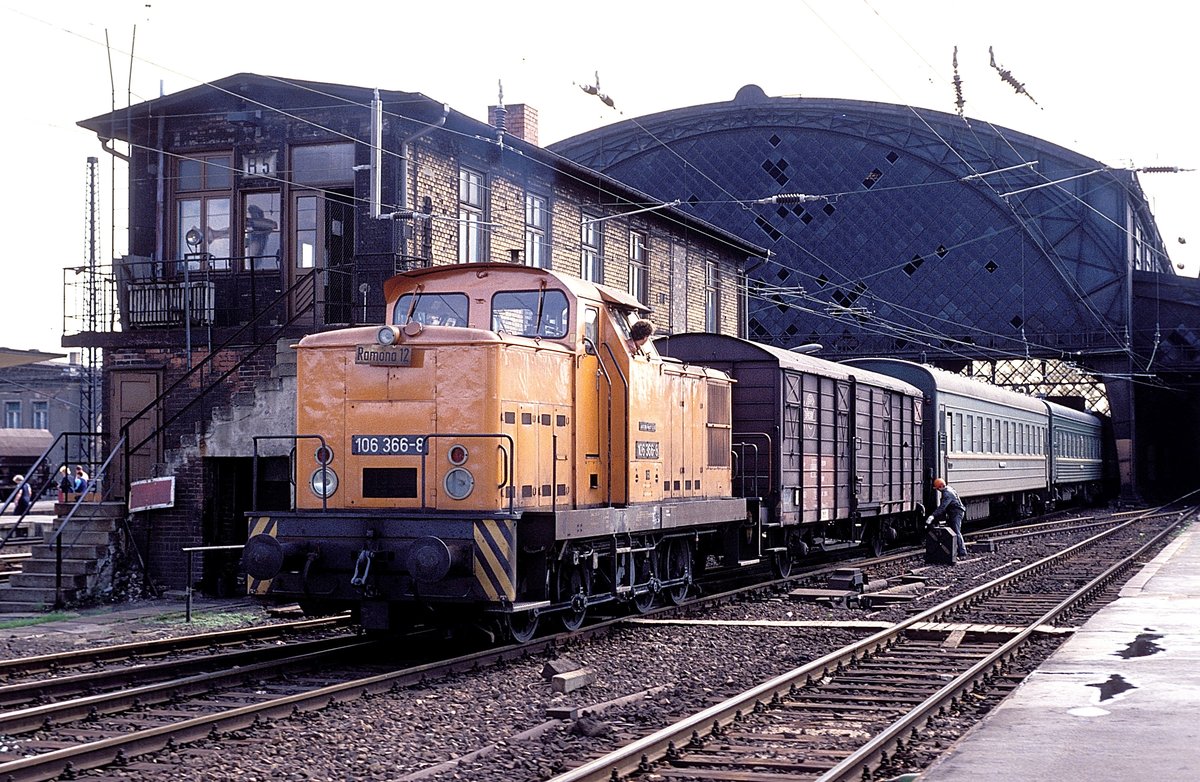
{"x": 12, "y": 415}
{"x": 639, "y": 267}
{"x": 41, "y": 415}
{"x": 202, "y": 207}
{"x": 323, "y": 164}
{"x": 712, "y": 314}
{"x": 470, "y": 216}
{"x": 306, "y": 219}
{"x": 590, "y": 254}
{"x": 260, "y": 230}
{"x": 535, "y": 232}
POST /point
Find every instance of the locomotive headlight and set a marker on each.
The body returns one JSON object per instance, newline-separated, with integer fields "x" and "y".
{"x": 386, "y": 335}
{"x": 324, "y": 482}
{"x": 457, "y": 455}
{"x": 459, "y": 483}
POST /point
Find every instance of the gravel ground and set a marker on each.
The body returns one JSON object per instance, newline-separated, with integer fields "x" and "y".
{"x": 429, "y": 732}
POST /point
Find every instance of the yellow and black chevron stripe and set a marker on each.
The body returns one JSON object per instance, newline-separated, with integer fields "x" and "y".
{"x": 496, "y": 559}
{"x": 262, "y": 525}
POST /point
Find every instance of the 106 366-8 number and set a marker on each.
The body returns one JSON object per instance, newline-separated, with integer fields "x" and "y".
{"x": 389, "y": 445}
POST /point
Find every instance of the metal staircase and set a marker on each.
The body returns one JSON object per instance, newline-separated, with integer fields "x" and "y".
{"x": 93, "y": 531}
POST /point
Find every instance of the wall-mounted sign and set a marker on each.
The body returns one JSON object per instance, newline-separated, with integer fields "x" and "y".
{"x": 259, "y": 163}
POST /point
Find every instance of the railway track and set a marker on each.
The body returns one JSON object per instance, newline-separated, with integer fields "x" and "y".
{"x": 66, "y": 724}
{"x": 848, "y": 714}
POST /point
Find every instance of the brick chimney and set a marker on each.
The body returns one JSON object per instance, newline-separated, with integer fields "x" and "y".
{"x": 516, "y": 119}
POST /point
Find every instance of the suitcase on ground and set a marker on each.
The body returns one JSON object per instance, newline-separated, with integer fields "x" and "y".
{"x": 939, "y": 546}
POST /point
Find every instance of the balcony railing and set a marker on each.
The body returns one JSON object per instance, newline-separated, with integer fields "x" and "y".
{"x": 139, "y": 293}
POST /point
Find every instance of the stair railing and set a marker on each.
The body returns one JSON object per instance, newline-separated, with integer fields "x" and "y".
{"x": 304, "y": 290}
{"x": 47, "y": 482}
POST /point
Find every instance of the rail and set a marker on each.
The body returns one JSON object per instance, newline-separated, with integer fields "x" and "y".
{"x": 642, "y": 752}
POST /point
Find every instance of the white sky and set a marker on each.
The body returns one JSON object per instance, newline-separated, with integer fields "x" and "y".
{"x": 1114, "y": 80}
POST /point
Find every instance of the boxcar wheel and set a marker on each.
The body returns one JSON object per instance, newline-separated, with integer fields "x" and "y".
{"x": 781, "y": 563}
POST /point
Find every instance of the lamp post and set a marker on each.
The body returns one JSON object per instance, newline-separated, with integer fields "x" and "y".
{"x": 195, "y": 239}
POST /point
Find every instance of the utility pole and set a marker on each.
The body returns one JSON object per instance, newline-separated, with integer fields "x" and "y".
{"x": 89, "y": 390}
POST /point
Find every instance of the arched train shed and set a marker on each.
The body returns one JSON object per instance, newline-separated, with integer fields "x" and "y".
{"x": 897, "y": 231}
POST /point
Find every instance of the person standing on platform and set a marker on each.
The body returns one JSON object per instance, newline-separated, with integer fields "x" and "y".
{"x": 952, "y": 509}
{"x": 81, "y": 480}
{"x": 66, "y": 484}
{"x": 24, "y": 496}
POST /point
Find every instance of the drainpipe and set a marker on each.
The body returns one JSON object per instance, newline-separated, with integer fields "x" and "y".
{"x": 404, "y": 160}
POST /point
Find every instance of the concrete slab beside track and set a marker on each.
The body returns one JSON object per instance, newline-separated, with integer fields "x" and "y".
{"x": 1119, "y": 700}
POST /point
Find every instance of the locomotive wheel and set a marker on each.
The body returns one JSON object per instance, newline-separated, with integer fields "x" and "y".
{"x": 573, "y": 587}
{"x": 522, "y": 626}
{"x": 677, "y": 563}
{"x": 643, "y": 602}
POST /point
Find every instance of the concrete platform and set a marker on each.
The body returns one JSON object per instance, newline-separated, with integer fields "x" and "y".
{"x": 1120, "y": 700}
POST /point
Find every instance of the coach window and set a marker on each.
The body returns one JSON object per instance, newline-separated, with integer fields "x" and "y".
{"x": 542, "y": 314}
{"x": 958, "y": 432}
{"x": 203, "y": 184}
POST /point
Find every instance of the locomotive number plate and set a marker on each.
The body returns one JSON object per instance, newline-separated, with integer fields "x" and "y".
{"x": 388, "y": 445}
{"x": 377, "y": 355}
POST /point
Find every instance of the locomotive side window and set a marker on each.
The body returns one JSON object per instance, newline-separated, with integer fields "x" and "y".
{"x": 531, "y": 313}
{"x": 591, "y": 327}
{"x": 431, "y": 309}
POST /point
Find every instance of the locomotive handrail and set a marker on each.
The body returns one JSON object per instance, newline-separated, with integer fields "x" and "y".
{"x": 291, "y": 456}
{"x": 608, "y": 380}
{"x": 624, "y": 382}
{"x": 509, "y": 467}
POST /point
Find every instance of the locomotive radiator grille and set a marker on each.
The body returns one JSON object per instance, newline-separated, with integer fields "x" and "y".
{"x": 495, "y": 560}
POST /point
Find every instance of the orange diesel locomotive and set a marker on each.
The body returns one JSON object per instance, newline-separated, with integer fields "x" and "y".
{"x": 501, "y": 446}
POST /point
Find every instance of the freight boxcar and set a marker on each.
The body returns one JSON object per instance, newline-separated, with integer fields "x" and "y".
{"x": 831, "y": 453}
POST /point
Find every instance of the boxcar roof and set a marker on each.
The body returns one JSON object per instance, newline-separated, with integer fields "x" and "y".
{"x": 932, "y": 379}
{"x": 706, "y": 347}
{"x": 578, "y": 287}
